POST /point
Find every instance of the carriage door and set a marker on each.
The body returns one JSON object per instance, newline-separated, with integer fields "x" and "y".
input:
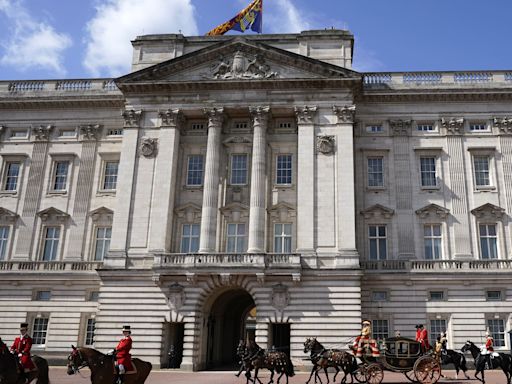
{"x": 173, "y": 345}
{"x": 281, "y": 337}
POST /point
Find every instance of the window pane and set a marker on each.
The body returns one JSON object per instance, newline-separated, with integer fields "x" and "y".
{"x": 110, "y": 181}
{"x": 428, "y": 249}
{"x": 239, "y": 169}
{"x": 278, "y": 244}
{"x": 382, "y": 231}
{"x": 39, "y": 331}
{"x": 382, "y": 249}
{"x": 372, "y": 230}
{"x": 375, "y": 172}
{"x": 373, "y": 250}
{"x": 11, "y": 180}
{"x": 428, "y": 171}
{"x": 4, "y": 237}
{"x": 61, "y": 175}
{"x": 284, "y": 169}
{"x": 89, "y": 332}
{"x": 195, "y": 170}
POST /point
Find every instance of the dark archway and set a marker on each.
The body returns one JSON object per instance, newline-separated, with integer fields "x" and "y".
{"x": 232, "y": 317}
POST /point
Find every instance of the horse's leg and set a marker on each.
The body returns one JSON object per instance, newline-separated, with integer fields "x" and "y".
{"x": 311, "y": 375}
{"x": 326, "y": 374}
{"x": 281, "y": 375}
{"x": 336, "y": 374}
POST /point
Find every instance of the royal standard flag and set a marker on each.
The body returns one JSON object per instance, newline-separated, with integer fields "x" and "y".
{"x": 251, "y": 17}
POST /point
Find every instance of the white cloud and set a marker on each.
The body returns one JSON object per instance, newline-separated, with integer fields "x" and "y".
{"x": 281, "y": 16}
{"x": 116, "y": 22}
{"x": 31, "y": 43}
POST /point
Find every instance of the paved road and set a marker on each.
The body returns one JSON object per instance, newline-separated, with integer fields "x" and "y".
{"x": 58, "y": 376}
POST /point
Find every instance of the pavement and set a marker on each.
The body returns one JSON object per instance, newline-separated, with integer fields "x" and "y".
{"x": 58, "y": 375}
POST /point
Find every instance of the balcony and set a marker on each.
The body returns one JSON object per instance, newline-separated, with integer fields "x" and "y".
{"x": 436, "y": 266}
{"x": 49, "y": 266}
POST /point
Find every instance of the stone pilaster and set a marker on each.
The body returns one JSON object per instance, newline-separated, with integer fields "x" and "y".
{"x": 164, "y": 190}
{"x": 211, "y": 181}
{"x": 125, "y": 184}
{"x": 256, "y": 242}
{"x": 306, "y": 179}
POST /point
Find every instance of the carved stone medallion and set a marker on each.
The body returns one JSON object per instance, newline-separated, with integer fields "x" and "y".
{"x": 176, "y": 296}
{"x": 325, "y": 144}
{"x": 148, "y": 147}
{"x": 280, "y": 296}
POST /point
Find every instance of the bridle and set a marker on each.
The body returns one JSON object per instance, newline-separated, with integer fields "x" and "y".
{"x": 71, "y": 358}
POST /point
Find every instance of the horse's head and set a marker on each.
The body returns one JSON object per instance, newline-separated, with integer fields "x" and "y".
{"x": 241, "y": 348}
{"x": 308, "y": 344}
{"x": 75, "y": 361}
{"x": 3, "y": 347}
{"x": 467, "y": 346}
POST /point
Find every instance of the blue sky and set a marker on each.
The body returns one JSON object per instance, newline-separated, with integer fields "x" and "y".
{"x": 91, "y": 38}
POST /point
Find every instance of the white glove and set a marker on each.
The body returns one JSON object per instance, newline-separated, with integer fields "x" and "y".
{"x": 20, "y": 354}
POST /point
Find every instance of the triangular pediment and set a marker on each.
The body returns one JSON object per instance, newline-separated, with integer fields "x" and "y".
{"x": 236, "y": 60}
{"x": 7, "y": 216}
{"x": 377, "y": 210}
{"x": 488, "y": 211}
{"x": 282, "y": 211}
{"x": 433, "y": 210}
{"x": 101, "y": 213}
{"x": 53, "y": 213}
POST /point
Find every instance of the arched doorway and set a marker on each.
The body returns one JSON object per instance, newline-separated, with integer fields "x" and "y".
{"x": 232, "y": 316}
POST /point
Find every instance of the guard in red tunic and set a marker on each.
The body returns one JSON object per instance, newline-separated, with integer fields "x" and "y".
{"x": 489, "y": 342}
{"x": 21, "y": 347}
{"x": 423, "y": 339}
{"x": 122, "y": 353}
{"x": 418, "y": 332}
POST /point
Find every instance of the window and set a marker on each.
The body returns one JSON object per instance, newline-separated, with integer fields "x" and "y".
{"x": 239, "y": 169}
{"x": 12, "y": 173}
{"x": 378, "y": 242}
{"x": 4, "y": 237}
{"x": 103, "y": 235}
{"x": 374, "y": 128}
{"x": 428, "y": 171}
{"x": 284, "y": 170}
{"x": 488, "y": 241}
{"x": 425, "y": 127}
{"x": 437, "y": 327}
{"x": 236, "y": 238}
{"x": 481, "y": 165}
{"x": 285, "y": 125}
{"x": 51, "y": 243}
{"x": 190, "y": 238}
{"x": 110, "y": 175}
{"x": 241, "y": 125}
{"x": 67, "y": 133}
{"x": 89, "y": 331}
{"x": 43, "y": 295}
{"x": 93, "y": 296}
{"x": 375, "y": 172}
{"x": 39, "y": 331}
{"x": 379, "y": 296}
{"x": 195, "y": 170}
{"x": 17, "y": 134}
{"x": 115, "y": 132}
{"x": 436, "y": 295}
{"x": 497, "y": 330}
{"x": 493, "y": 295}
{"x": 282, "y": 238}
{"x": 60, "y": 177}
{"x": 380, "y": 329}
{"x": 432, "y": 241}
{"x": 478, "y": 127}
{"x": 197, "y": 126}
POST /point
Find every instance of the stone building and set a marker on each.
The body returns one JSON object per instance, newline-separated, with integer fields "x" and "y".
{"x": 254, "y": 187}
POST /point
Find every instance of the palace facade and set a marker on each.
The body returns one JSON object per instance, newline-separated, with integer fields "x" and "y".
{"x": 254, "y": 187}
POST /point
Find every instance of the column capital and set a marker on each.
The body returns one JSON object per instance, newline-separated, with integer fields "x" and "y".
{"x": 215, "y": 116}
{"x": 401, "y": 127}
{"x": 453, "y": 126}
{"x": 42, "y": 132}
{"x": 90, "y": 132}
{"x": 132, "y": 118}
{"x": 171, "y": 118}
{"x": 306, "y": 114}
{"x": 260, "y": 115}
{"x": 345, "y": 114}
{"x": 504, "y": 124}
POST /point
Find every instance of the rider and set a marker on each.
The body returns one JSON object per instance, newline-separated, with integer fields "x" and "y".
{"x": 122, "y": 355}
{"x": 365, "y": 339}
{"x": 488, "y": 349}
{"x": 21, "y": 347}
{"x": 423, "y": 338}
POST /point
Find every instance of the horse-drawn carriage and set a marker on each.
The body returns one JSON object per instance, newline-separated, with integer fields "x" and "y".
{"x": 400, "y": 355}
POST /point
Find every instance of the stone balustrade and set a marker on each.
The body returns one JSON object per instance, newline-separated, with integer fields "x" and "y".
{"x": 68, "y": 86}
{"x": 437, "y": 79}
{"x": 436, "y": 265}
{"x": 49, "y": 266}
{"x": 227, "y": 260}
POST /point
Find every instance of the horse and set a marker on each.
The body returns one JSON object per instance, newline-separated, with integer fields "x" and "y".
{"x": 502, "y": 361}
{"x": 10, "y": 371}
{"x": 241, "y": 353}
{"x": 457, "y": 359}
{"x": 274, "y": 361}
{"x": 323, "y": 358}
{"x": 102, "y": 366}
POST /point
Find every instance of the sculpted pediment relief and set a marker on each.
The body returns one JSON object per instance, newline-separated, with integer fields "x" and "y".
{"x": 237, "y": 59}
{"x": 189, "y": 212}
{"x": 53, "y": 214}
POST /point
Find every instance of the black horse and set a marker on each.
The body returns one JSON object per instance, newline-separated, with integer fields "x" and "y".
{"x": 502, "y": 361}
{"x": 457, "y": 359}
{"x": 275, "y": 361}
{"x": 10, "y": 372}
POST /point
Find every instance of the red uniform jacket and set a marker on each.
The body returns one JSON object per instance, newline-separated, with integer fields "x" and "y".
{"x": 424, "y": 339}
{"x": 23, "y": 345}
{"x": 418, "y": 334}
{"x": 123, "y": 353}
{"x": 489, "y": 344}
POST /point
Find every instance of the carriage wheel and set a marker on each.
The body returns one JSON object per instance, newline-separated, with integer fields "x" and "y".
{"x": 360, "y": 374}
{"x": 374, "y": 374}
{"x": 427, "y": 370}
{"x": 410, "y": 376}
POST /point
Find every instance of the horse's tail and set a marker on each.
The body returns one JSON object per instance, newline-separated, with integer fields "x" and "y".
{"x": 290, "y": 371}
{"x": 463, "y": 365}
{"x": 42, "y": 367}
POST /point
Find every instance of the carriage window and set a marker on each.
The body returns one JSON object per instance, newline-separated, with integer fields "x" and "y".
{"x": 39, "y": 331}
{"x": 403, "y": 348}
{"x": 414, "y": 348}
{"x": 437, "y": 327}
{"x": 380, "y": 329}
{"x": 89, "y": 331}
{"x": 497, "y": 329}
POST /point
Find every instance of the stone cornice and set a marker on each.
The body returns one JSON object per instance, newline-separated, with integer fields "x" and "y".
{"x": 474, "y": 94}
{"x": 42, "y": 102}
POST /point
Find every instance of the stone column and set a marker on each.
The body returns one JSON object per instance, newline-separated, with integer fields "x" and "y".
{"x": 256, "y": 242}
{"x": 166, "y": 170}
{"x": 306, "y": 179}
{"x": 211, "y": 181}
{"x": 125, "y": 184}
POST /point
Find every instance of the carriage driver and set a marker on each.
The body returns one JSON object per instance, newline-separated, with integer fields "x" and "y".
{"x": 21, "y": 347}
{"x": 364, "y": 339}
{"x": 122, "y": 354}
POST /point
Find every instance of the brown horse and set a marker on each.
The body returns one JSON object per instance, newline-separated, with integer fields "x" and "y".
{"x": 274, "y": 361}
{"x": 102, "y": 366}
{"x": 10, "y": 372}
{"x": 324, "y": 358}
